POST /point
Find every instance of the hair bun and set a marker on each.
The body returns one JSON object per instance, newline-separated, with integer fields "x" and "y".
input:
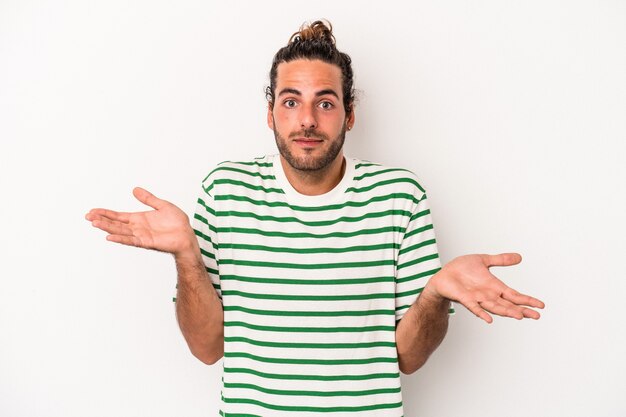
{"x": 316, "y": 31}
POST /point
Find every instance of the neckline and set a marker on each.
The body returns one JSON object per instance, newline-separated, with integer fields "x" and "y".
{"x": 294, "y": 197}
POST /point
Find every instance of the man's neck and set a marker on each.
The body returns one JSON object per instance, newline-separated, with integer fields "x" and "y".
{"x": 315, "y": 182}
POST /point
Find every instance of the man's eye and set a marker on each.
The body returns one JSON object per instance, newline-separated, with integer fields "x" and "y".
{"x": 290, "y": 103}
{"x": 326, "y": 105}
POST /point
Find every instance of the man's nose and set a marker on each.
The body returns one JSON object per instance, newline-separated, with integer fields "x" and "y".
{"x": 307, "y": 118}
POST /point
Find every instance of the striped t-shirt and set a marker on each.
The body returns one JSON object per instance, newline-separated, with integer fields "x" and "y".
{"x": 313, "y": 286}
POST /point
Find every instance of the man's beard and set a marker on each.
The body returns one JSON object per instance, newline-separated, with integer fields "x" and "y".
{"x": 307, "y": 163}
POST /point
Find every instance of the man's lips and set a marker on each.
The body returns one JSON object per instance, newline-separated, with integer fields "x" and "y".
{"x": 307, "y": 141}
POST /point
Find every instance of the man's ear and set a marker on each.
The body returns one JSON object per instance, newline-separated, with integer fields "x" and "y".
{"x": 270, "y": 117}
{"x": 350, "y": 118}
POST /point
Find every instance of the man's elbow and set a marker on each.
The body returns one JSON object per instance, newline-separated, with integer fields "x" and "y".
{"x": 207, "y": 357}
{"x": 410, "y": 368}
{"x": 206, "y": 347}
{"x": 207, "y": 353}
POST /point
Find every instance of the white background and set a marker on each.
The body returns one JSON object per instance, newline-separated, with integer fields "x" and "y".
{"x": 512, "y": 113}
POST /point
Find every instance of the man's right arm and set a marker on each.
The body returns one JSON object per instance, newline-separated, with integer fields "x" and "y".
{"x": 199, "y": 309}
{"x": 167, "y": 229}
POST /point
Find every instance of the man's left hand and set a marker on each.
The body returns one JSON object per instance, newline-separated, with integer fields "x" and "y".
{"x": 468, "y": 280}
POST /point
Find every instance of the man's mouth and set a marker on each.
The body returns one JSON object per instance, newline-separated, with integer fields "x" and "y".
{"x": 307, "y": 141}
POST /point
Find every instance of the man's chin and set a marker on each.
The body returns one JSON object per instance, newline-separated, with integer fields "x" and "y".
{"x": 306, "y": 165}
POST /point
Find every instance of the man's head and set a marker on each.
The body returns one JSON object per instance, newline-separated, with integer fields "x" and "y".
{"x": 311, "y": 99}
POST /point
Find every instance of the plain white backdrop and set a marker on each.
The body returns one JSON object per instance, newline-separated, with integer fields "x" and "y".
{"x": 513, "y": 114}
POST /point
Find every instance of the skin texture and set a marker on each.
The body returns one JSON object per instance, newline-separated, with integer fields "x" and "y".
{"x": 309, "y": 123}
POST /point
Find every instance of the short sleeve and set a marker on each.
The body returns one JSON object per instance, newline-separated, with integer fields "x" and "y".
{"x": 204, "y": 224}
{"x": 418, "y": 257}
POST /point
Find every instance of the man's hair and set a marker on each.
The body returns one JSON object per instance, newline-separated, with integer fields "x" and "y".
{"x": 314, "y": 41}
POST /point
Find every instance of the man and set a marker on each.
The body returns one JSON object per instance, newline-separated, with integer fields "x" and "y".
{"x": 315, "y": 276}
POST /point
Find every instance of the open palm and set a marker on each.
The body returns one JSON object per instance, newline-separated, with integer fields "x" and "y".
{"x": 468, "y": 280}
{"x": 166, "y": 228}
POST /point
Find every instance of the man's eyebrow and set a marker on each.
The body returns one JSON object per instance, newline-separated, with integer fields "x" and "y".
{"x": 320, "y": 93}
{"x": 327, "y": 91}
{"x": 289, "y": 91}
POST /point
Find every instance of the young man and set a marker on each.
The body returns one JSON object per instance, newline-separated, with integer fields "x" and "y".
{"x": 315, "y": 276}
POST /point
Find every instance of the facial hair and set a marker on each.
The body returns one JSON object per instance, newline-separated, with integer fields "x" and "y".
{"x": 308, "y": 163}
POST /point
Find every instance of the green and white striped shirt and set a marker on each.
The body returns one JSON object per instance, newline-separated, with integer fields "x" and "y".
{"x": 313, "y": 286}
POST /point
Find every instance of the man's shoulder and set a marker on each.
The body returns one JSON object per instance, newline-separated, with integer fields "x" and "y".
{"x": 368, "y": 174}
{"x": 253, "y": 167}
{"x": 242, "y": 171}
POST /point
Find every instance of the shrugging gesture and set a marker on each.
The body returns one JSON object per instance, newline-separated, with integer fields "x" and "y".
{"x": 468, "y": 280}
{"x": 166, "y": 228}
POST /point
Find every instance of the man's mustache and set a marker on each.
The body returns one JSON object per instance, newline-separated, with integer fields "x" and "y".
{"x": 309, "y": 134}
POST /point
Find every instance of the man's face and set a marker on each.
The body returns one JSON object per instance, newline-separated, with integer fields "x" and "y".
{"x": 308, "y": 117}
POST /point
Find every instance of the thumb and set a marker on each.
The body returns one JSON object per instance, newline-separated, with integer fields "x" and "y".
{"x": 147, "y": 198}
{"x": 503, "y": 259}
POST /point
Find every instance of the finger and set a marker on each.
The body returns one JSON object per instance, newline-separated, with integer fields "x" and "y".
{"x": 124, "y": 240}
{"x": 531, "y": 314}
{"x": 114, "y": 228}
{"x": 148, "y": 198}
{"x": 503, "y": 308}
{"x": 503, "y": 259}
{"x": 478, "y": 311}
{"x": 522, "y": 299}
{"x": 109, "y": 214}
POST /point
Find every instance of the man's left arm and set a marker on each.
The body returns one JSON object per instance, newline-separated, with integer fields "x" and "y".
{"x": 420, "y": 331}
{"x": 468, "y": 281}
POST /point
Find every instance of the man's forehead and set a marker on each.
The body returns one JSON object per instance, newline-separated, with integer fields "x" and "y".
{"x": 307, "y": 74}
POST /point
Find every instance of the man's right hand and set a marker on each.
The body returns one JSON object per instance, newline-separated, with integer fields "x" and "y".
{"x": 166, "y": 228}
